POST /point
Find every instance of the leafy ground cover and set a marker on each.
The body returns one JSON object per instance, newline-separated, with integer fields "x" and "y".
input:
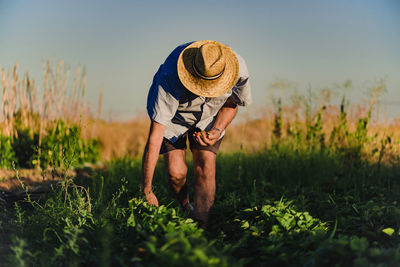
{"x": 281, "y": 206}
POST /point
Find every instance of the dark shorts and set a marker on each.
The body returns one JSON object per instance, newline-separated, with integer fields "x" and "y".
{"x": 167, "y": 145}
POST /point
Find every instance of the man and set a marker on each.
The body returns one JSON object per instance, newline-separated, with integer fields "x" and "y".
{"x": 194, "y": 96}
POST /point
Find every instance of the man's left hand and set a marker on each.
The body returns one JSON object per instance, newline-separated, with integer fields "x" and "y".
{"x": 207, "y": 138}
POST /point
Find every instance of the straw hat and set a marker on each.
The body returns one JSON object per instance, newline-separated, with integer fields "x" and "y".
{"x": 208, "y": 68}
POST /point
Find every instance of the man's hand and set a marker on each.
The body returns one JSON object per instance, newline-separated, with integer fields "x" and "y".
{"x": 150, "y": 157}
{"x": 207, "y": 138}
{"x": 151, "y": 198}
{"x": 224, "y": 117}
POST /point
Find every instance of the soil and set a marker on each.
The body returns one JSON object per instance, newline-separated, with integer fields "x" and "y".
{"x": 11, "y": 180}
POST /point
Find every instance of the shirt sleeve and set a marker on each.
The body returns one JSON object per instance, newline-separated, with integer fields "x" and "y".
{"x": 161, "y": 104}
{"x": 242, "y": 91}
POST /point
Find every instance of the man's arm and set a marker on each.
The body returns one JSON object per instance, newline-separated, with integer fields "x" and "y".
{"x": 224, "y": 118}
{"x": 150, "y": 157}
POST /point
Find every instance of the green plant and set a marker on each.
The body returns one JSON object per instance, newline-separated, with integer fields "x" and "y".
{"x": 7, "y": 154}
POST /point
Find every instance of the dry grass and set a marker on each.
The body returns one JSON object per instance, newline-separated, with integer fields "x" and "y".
{"x": 119, "y": 139}
{"x": 37, "y": 108}
{"x": 27, "y": 106}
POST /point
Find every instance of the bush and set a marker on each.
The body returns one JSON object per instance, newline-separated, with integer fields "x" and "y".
{"x": 7, "y": 153}
{"x": 61, "y": 146}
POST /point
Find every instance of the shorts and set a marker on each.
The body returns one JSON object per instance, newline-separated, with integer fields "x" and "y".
{"x": 167, "y": 145}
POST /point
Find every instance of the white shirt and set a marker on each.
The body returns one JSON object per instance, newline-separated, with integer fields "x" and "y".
{"x": 171, "y": 104}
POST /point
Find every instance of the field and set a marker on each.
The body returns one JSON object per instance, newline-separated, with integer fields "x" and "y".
{"x": 306, "y": 183}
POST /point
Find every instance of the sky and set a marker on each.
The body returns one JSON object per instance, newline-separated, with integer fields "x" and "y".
{"x": 316, "y": 44}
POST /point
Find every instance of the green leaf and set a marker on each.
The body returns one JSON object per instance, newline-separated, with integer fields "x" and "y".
{"x": 151, "y": 247}
{"x": 200, "y": 255}
{"x": 388, "y": 231}
{"x": 287, "y": 221}
{"x": 245, "y": 225}
{"x": 131, "y": 221}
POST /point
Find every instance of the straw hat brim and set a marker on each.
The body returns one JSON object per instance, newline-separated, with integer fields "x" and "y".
{"x": 202, "y": 87}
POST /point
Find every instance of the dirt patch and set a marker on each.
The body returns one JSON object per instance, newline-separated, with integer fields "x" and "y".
{"x": 12, "y": 181}
{"x": 15, "y": 184}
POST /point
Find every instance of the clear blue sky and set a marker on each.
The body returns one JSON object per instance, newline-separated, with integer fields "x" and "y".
{"x": 122, "y": 43}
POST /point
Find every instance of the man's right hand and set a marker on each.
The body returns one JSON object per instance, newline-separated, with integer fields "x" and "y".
{"x": 150, "y": 157}
{"x": 151, "y": 198}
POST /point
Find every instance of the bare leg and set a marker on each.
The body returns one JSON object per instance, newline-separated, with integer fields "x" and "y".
{"x": 176, "y": 175}
{"x": 204, "y": 172}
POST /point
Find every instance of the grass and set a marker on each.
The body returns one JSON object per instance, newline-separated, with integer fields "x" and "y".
{"x": 307, "y": 183}
{"x": 297, "y": 201}
{"x": 311, "y": 208}
{"x": 41, "y": 126}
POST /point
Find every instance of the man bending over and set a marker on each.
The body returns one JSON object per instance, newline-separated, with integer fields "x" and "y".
{"x": 194, "y": 96}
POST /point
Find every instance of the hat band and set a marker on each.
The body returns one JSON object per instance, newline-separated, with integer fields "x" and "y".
{"x": 207, "y": 77}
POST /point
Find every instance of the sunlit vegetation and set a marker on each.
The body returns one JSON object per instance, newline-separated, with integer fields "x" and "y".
{"x": 41, "y": 126}
{"x": 307, "y": 182}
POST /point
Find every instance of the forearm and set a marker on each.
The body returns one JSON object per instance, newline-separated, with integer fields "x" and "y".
{"x": 150, "y": 158}
{"x": 150, "y": 155}
{"x": 226, "y": 115}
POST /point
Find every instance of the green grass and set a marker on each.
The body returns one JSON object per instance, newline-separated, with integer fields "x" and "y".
{"x": 307, "y": 198}
{"x": 281, "y": 206}
{"x": 60, "y": 145}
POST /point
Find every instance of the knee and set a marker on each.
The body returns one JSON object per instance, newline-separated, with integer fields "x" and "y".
{"x": 177, "y": 174}
{"x": 177, "y": 179}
